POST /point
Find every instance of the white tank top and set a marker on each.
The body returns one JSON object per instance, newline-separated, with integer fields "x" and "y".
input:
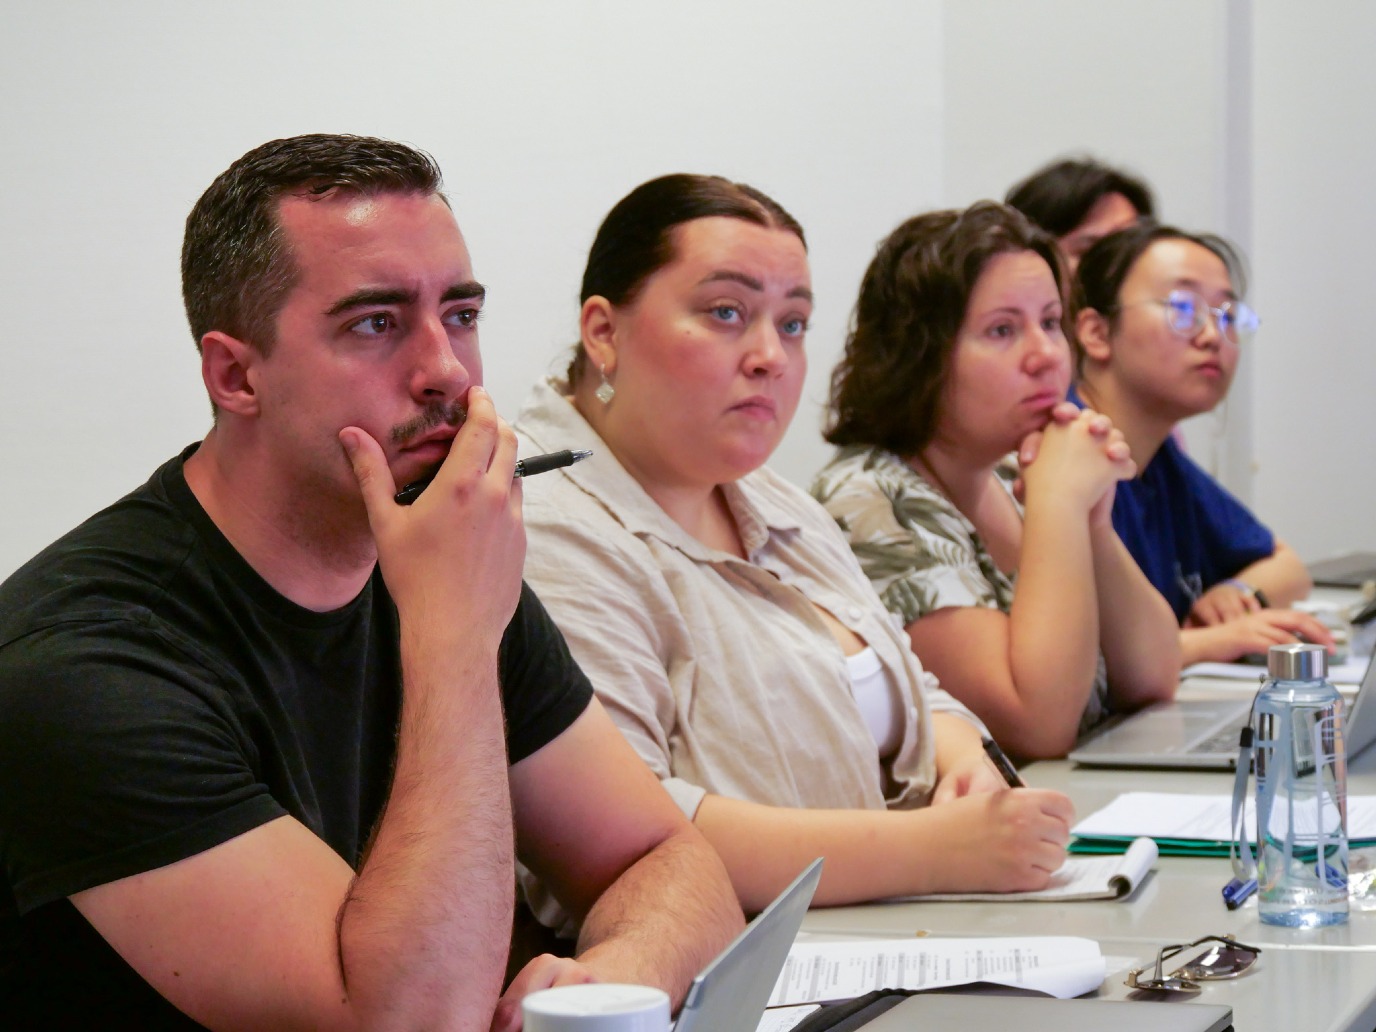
{"x": 877, "y": 698}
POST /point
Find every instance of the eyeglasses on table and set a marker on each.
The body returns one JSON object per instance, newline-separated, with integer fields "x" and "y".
{"x": 1225, "y": 958}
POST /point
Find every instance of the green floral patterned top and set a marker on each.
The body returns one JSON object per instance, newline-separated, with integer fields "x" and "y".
{"x": 918, "y": 550}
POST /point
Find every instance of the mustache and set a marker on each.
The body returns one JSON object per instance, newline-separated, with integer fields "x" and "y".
{"x": 437, "y": 414}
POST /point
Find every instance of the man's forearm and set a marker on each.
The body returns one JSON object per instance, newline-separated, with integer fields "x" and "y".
{"x": 666, "y": 916}
{"x": 434, "y": 895}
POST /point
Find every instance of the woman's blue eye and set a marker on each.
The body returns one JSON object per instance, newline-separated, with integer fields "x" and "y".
{"x": 795, "y": 327}
{"x": 726, "y": 313}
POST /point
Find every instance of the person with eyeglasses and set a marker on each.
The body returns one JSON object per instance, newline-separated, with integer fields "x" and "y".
{"x": 1160, "y": 327}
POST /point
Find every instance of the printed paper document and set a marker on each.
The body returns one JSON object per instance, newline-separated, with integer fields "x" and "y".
{"x": 1206, "y": 818}
{"x": 816, "y": 972}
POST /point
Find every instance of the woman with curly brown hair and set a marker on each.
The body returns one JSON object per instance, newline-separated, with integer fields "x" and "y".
{"x": 1037, "y": 618}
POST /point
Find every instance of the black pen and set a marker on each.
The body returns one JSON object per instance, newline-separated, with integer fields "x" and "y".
{"x": 524, "y": 468}
{"x": 1002, "y": 762}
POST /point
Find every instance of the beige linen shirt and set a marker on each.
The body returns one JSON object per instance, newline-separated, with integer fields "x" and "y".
{"x": 719, "y": 670}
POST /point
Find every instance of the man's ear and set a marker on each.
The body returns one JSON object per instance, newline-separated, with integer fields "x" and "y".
{"x": 597, "y": 323}
{"x": 1091, "y": 327}
{"x": 229, "y": 369}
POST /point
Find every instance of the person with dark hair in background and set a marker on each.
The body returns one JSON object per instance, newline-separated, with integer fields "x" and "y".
{"x": 262, "y": 729}
{"x": 1161, "y": 327}
{"x": 1036, "y": 618}
{"x": 715, "y": 606}
{"x": 1079, "y": 201}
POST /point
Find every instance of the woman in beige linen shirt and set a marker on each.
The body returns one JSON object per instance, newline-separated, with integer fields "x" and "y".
{"x": 716, "y": 608}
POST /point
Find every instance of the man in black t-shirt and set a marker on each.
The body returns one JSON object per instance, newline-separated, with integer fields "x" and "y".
{"x": 263, "y": 729}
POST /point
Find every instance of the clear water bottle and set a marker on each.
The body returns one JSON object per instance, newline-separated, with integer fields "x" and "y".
{"x": 1301, "y": 772}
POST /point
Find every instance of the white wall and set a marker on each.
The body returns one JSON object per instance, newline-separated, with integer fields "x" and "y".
{"x": 1315, "y": 264}
{"x": 1141, "y": 84}
{"x": 116, "y": 117}
{"x": 1251, "y": 118}
{"x": 1135, "y": 82}
{"x": 1247, "y": 116}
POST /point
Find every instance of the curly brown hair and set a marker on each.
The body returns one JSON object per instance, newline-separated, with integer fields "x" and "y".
{"x": 887, "y": 390}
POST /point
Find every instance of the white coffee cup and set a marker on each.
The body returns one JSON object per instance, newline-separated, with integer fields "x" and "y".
{"x": 597, "y": 1007}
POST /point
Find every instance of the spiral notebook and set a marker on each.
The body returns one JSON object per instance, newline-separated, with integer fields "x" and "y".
{"x": 1114, "y": 876}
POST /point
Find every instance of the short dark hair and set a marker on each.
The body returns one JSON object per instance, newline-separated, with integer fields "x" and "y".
{"x": 1059, "y": 196}
{"x": 635, "y": 240}
{"x": 236, "y": 266}
{"x": 888, "y": 388}
{"x": 1105, "y": 266}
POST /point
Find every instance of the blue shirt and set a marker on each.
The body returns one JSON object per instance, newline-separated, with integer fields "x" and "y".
{"x": 1186, "y": 531}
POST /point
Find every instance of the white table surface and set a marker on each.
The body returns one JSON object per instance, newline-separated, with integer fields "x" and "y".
{"x": 1320, "y": 979}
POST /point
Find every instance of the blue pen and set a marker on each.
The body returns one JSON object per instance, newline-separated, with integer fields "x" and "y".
{"x": 1237, "y": 892}
{"x": 1333, "y": 876}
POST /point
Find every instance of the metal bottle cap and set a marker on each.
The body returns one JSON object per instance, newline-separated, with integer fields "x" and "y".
{"x": 1299, "y": 662}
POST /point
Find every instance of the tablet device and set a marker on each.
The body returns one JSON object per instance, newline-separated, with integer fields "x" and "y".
{"x": 731, "y": 993}
{"x": 927, "y": 1012}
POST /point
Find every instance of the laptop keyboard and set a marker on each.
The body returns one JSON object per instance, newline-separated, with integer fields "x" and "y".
{"x": 1222, "y": 741}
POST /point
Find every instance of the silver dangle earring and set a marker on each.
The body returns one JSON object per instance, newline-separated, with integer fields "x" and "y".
{"x": 605, "y": 391}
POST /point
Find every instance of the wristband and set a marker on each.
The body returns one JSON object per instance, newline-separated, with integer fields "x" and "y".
{"x": 1249, "y": 591}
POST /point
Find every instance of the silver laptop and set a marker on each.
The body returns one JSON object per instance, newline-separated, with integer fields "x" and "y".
{"x": 1351, "y": 570}
{"x": 1203, "y": 733}
{"x": 731, "y": 993}
{"x": 929, "y": 1012}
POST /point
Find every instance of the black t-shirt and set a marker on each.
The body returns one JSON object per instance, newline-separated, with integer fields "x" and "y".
{"x": 158, "y": 697}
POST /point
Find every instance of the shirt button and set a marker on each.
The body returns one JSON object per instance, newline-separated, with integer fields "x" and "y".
{"x": 855, "y": 613}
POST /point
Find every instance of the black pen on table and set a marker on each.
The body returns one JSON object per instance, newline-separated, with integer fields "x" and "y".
{"x": 524, "y": 468}
{"x": 1002, "y": 762}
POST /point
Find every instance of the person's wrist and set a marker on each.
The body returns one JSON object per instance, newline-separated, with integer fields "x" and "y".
{"x": 1249, "y": 590}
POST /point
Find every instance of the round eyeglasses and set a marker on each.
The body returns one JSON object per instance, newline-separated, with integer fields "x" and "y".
{"x": 1225, "y": 958}
{"x": 1187, "y": 312}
